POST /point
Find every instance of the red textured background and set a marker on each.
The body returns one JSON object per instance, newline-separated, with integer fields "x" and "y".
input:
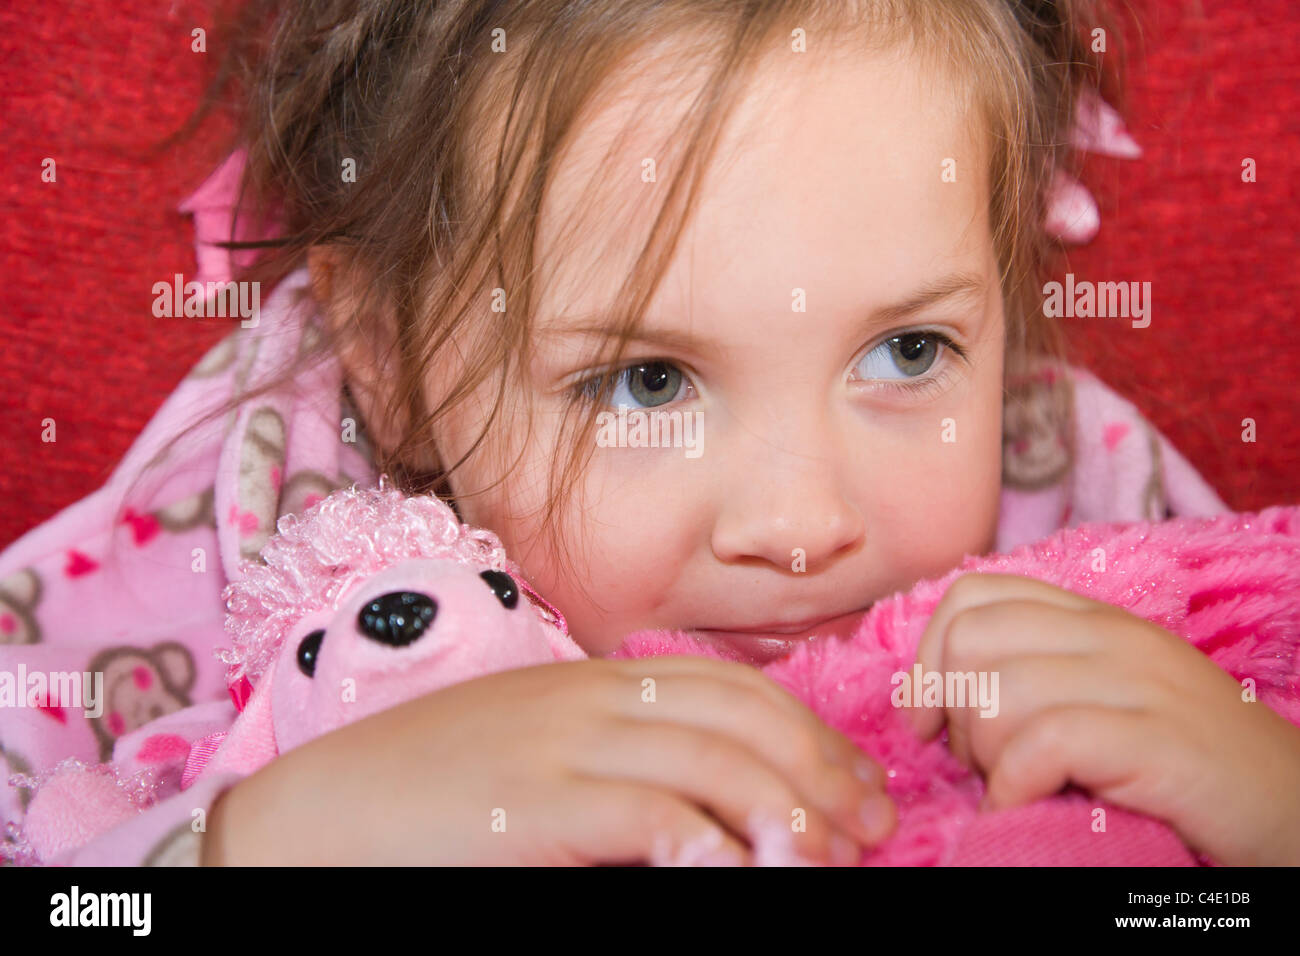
{"x": 91, "y": 82}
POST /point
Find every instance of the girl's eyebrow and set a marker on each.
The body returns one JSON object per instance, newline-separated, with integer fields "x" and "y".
{"x": 956, "y": 285}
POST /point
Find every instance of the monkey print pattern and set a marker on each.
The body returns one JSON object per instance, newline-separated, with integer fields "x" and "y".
{"x": 303, "y": 490}
{"x": 188, "y": 513}
{"x": 1035, "y": 453}
{"x": 1155, "y": 503}
{"x": 19, "y": 595}
{"x": 261, "y": 471}
{"x": 217, "y": 359}
{"x": 14, "y": 799}
{"x": 140, "y": 685}
{"x": 10, "y": 764}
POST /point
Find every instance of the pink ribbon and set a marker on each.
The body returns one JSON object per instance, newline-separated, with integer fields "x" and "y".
{"x": 200, "y": 754}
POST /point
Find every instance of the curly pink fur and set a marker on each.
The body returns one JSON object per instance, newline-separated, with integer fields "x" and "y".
{"x": 317, "y": 557}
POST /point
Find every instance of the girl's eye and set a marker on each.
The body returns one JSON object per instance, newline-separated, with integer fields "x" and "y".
{"x": 909, "y": 355}
{"x": 644, "y": 385}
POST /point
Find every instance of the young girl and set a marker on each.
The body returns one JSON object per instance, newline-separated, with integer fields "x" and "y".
{"x": 818, "y": 225}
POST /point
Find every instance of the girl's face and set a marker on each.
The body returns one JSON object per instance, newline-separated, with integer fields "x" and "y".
{"x": 831, "y": 326}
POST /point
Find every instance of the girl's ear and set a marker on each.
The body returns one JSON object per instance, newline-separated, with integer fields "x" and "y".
{"x": 364, "y": 333}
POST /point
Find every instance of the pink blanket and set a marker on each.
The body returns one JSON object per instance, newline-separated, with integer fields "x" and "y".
{"x": 1230, "y": 585}
{"x": 127, "y": 582}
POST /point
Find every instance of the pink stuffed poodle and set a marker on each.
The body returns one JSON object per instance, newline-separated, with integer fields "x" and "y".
{"x": 369, "y": 599}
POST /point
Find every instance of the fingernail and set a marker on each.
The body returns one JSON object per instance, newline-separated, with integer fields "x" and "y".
{"x": 877, "y": 815}
{"x": 844, "y": 852}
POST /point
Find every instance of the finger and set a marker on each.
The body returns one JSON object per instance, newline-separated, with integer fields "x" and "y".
{"x": 977, "y": 590}
{"x": 719, "y": 774}
{"x": 1018, "y": 587}
{"x": 621, "y": 822}
{"x": 983, "y": 639}
{"x": 834, "y": 744}
{"x": 1092, "y": 747}
{"x": 1010, "y": 692}
{"x": 963, "y": 598}
{"x": 796, "y": 748}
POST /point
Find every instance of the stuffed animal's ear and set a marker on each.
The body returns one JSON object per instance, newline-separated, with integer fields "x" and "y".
{"x": 250, "y": 743}
{"x": 562, "y": 646}
{"x": 554, "y": 628}
{"x": 549, "y": 617}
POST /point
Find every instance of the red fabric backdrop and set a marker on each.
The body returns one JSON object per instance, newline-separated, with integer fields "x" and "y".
{"x": 89, "y": 83}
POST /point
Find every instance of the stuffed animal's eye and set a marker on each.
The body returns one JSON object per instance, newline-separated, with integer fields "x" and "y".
{"x": 308, "y": 651}
{"x": 503, "y": 586}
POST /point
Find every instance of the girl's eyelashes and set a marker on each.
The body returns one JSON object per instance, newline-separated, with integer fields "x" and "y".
{"x": 640, "y": 385}
{"x": 911, "y": 361}
{"x": 906, "y": 359}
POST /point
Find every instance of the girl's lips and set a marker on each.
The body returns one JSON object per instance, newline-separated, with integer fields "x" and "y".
{"x": 763, "y": 647}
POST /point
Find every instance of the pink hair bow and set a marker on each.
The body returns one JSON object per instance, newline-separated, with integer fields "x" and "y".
{"x": 1072, "y": 214}
{"x": 213, "y": 207}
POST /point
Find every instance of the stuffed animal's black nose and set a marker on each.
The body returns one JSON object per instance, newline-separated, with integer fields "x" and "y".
{"x": 397, "y": 618}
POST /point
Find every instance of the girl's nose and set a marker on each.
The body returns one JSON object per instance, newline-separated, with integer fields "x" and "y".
{"x": 787, "y": 502}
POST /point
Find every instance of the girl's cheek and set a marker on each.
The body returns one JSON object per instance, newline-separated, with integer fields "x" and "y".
{"x": 938, "y": 499}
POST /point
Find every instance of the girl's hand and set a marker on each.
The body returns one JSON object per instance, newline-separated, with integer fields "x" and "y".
{"x": 1092, "y": 695}
{"x": 562, "y": 764}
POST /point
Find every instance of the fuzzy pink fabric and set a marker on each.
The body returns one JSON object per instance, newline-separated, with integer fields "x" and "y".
{"x": 1230, "y": 585}
{"x": 74, "y": 802}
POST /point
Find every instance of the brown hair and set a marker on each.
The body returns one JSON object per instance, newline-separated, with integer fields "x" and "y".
{"x": 453, "y": 143}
